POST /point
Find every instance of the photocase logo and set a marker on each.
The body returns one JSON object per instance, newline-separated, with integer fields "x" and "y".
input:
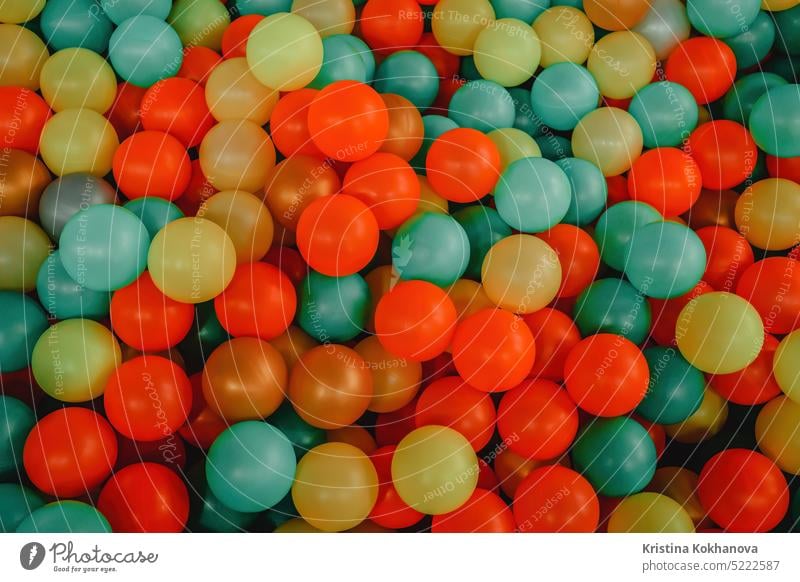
{"x": 31, "y": 555}
{"x": 401, "y": 256}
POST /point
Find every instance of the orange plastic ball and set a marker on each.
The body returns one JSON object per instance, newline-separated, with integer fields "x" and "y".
{"x": 463, "y": 165}
{"x": 705, "y": 66}
{"x": 578, "y": 254}
{"x": 152, "y": 163}
{"x": 667, "y": 179}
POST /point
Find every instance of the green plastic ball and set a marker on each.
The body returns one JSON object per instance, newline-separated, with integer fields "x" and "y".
{"x": 588, "y": 191}
{"x": 65, "y": 517}
{"x": 613, "y": 306}
{"x": 63, "y": 298}
{"x": 333, "y": 309}
{"x": 16, "y": 421}
{"x": 120, "y": 10}
{"x": 155, "y": 213}
{"x": 533, "y": 195}
{"x": 616, "y": 455}
{"x": 263, "y": 7}
{"x": 484, "y": 228}
{"x": 17, "y": 502}
{"x": 666, "y": 112}
{"x": 665, "y": 259}
{"x": 144, "y": 50}
{"x": 21, "y": 324}
{"x": 753, "y": 44}
{"x": 739, "y": 101}
{"x": 722, "y": 18}
{"x": 74, "y": 23}
{"x": 676, "y": 387}
{"x": 554, "y": 147}
{"x": 209, "y": 514}
{"x": 205, "y": 336}
{"x": 482, "y": 105}
{"x": 787, "y": 23}
{"x": 774, "y": 123}
{"x": 562, "y": 94}
{"x": 409, "y": 74}
{"x": 303, "y": 436}
{"x": 525, "y": 119}
{"x": 616, "y": 226}
{"x": 432, "y": 247}
{"x": 525, "y": 10}
{"x": 340, "y": 62}
{"x": 250, "y": 466}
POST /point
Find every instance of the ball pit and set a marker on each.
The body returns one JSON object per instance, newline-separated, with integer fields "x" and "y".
{"x": 399, "y": 265}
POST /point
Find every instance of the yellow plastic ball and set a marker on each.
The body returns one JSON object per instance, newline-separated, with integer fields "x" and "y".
{"x": 468, "y": 297}
{"x": 778, "y": 5}
{"x": 19, "y": 11}
{"x": 284, "y": 51}
{"x": 521, "y": 273}
{"x": 237, "y": 155}
{"x": 786, "y": 365}
{"x": 246, "y": 220}
{"x": 507, "y": 52}
{"x": 456, "y": 24}
{"x": 329, "y": 17}
{"x": 514, "y": 144}
{"x": 622, "y": 63}
{"x": 768, "y": 214}
{"x": 232, "y": 92}
{"x": 73, "y": 360}
{"x": 778, "y": 433}
{"x": 335, "y": 487}
{"x": 191, "y": 260}
{"x": 78, "y": 140}
{"x": 706, "y": 421}
{"x": 719, "y": 333}
{"x": 297, "y": 525}
{"x": 76, "y": 77}
{"x": 434, "y": 469}
{"x": 610, "y": 138}
{"x": 24, "y": 246}
{"x": 566, "y": 35}
{"x": 650, "y": 513}
{"x": 680, "y": 484}
{"x": 22, "y": 57}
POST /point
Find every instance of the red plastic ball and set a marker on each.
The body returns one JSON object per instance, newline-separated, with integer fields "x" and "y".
{"x": 772, "y": 286}
{"x": 145, "y": 498}
{"x": 787, "y": 168}
{"x": 148, "y": 398}
{"x": 392, "y": 427}
{"x": 705, "y": 66}
{"x": 178, "y": 107}
{"x": 606, "y": 375}
{"x": 483, "y": 512}
{"x": 578, "y": 255}
{"x": 23, "y": 114}
{"x": 389, "y": 510}
{"x": 665, "y": 313}
{"x": 260, "y": 301}
{"x": 555, "y": 499}
{"x": 463, "y": 165}
{"x": 447, "y": 64}
{"x": 667, "y": 179}
{"x": 234, "y": 39}
{"x": 146, "y": 319}
{"x": 288, "y": 124}
{"x": 753, "y": 385}
{"x": 451, "y": 402}
{"x": 70, "y": 452}
{"x": 538, "y": 420}
{"x": 125, "y": 113}
{"x": 198, "y": 62}
{"x": 203, "y": 425}
{"x": 725, "y": 153}
{"x": 555, "y": 334}
{"x": 390, "y": 25}
{"x": 743, "y": 491}
{"x": 152, "y": 163}
{"x": 728, "y": 256}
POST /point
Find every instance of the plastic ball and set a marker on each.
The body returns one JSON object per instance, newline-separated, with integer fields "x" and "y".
{"x": 23, "y": 323}
{"x": 200, "y": 22}
{"x": 729, "y": 18}
{"x": 246, "y": 221}
{"x": 451, "y": 402}
{"x": 415, "y": 320}
{"x": 588, "y": 191}
{"x": 725, "y": 153}
{"x": 152, "y": 163}
{"x": 521, "y": 273}
{"x": 615, "y": 14}
{"x": 493, "y": 350}
{"x": 330, "y": 386}
{"x": 19, "y": 420}
{"x": 555, "y": 334}
{"x": 613, "y": 306}
{"x": 343, "y": 59}
{"x": 665, "y": 25}
{"x": 77, "y": 77}
{"x": 785, "y": 368}
{"x": 23, "y": 249}
{"x": 302, "y": 435}
{"x": 65, "y": 517}
{"x": 705, "y": 66}
{"x": 66, "y": 153}
{"x": 288, "y": 193}
{"x": 507, "y": 52}
{"x": 616, "y": 455}
{"x": 75, "y": 23}
{"x": 754, "y": 384}
{"x": 329, "y": 16}
{"x": 733, "y": 323}
{"x": 706, "y": 422}
{"x": 237, "y": 155}
{"x": 69, "y": 452}
{"x": 562, "y": 94}
{"x": 23, "y": 57}
{"x": 483, "y": 512}
{"x": 650, "y": 513}
{"x": 457, "y": 23}
{"x": 753, "y": 43}
{"x": 73, "y": 360}
{"x": 251, "y": 466}
{"x": 667, "y": 179}
{"x": 144, "y": 49}
{"x": 608, "y": 137}
{"x": 555, "y": 499}
{"x": 198, "y": 62}
{"x": 68, "y": 195}
{"x": 17, "y": 503}
{"x": 743, "y": 491}
{"x": 771, "y": 282}
{"x": 622, "y": 63}
{"x": 233, "y": 92}
{"x": 155, "y": 213}
{"x": 676, "y": 388}
{"x": 409, "y": 74}
{"x": 533, "y": 195}
{"x": 565, "y": 34}
{"x": 395, "y": 382}
{"x": 616, "y": 227}
{"x": 333, "y": 309}
{"x": 432, "y": 247}
{"x": 513, "y": 144}
{"x": 462, "y": 164}
{"x": 767, "y": 214}
{"x": 666, "y": 112}
{"x": 121, "y": 11}
{"x": 484, "y": 227}
{"x": 729, "y": 256}
{"x": 482, "y": 105}
{"x": 336, "y": 487}
{"x": 434, "y": 469}
{"x": 740, "y": 99}
{"x": 389, "y": 25}
{"x": 173, "y": 260}
{"x": 406, "y": 127}
{"x": 776, "y": 433}
{"x": 348, "y": 121}
{"x": 24, "y": 114}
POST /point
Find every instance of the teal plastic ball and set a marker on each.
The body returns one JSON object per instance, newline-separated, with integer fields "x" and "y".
{"x": 120, "y": 10}
{"x": 144, "y": 50}
{"x": 434, "y": 126}
{"x": 588, "y": 191}
{"x": 525, "y": 119}
{"x": 666, "y": 112}
{"x": 484, "y": 228}
{"x": 16, "y": 421}
{"x": 340, "y": 62}
{"x": 104, "y": 247}
{"x": 613, "y": 306}
{"x": 65, "y": 517}
{"x": 263, "y": 7}
{"x": 284, "y": 510}
{"x": 753, "y": 44}
{"x": 532, "y": 195}
{"x": 616, "y": 226}
{"x": 22, "y": 323}
{"x": 155, "y": 213}
{"x": 665, "y": 259}
{"x": 788, "y": 24}
{"x": 468, "y": 70}
{"x": 739, "y": 101}
{"x": 722, "y": 18}
{"x": 524, "y": 10}
{"x": 362, "y": 50}
{"x": 554, "y": 147}
{"x": 303, "y": 436}
{"x": 250, "y": 466}
{"x": 432, "y": 247}
{"x": 17, "y": 502}
{"x": 616, "y": 455}
{"x": 63, "y": 298}
{"x": 676, "y": 387}
{"x": 209, "y": 514}
{"x": 774, "y": 123}
{"x": 409, "y": 74}
{"x": 74, "y": 23}
{"x": 482, "y": 105}
{"x": 562, "y": 94}
{"x": 333, "y": 309}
